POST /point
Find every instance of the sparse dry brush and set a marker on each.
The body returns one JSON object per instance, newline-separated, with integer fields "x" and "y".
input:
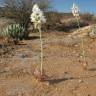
{"x": 89, "y": 18}
{"x": 63, "y": 22}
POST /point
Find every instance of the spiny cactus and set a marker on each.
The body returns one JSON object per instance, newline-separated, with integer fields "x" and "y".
{"x": 14, "y": 31}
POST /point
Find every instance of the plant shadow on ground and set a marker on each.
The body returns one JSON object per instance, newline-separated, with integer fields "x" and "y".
{"x": 34, "y": 37}
{"x": 92, "y": 69}
{"x": 56, "y": 81}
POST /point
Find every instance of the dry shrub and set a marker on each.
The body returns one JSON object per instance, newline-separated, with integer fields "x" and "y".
{"x": 70, "y": 25}
{"x": 73, "y": 24}
{"x": 53, "y": 18}
{"x": 62, "y": 22}
{"x": 87, "y": 17}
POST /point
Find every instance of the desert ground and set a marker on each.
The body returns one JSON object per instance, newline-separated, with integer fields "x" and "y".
{"x": 62, "y": 64}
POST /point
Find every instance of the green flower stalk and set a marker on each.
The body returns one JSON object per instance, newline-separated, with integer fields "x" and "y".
{"x": 75, "y": 12}
{"x": 37, "y": 17}
{"x": 41, "y": 51}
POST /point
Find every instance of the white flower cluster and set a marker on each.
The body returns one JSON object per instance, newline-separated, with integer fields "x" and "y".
{"x": 37, "y": 16}
{"x": 75, "y": 10}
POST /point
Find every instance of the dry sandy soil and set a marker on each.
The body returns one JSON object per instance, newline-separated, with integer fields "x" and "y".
{"x": 62, "y": 64}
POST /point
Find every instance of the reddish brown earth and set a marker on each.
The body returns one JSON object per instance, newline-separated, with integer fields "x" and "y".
{"x": 63, "y": 65}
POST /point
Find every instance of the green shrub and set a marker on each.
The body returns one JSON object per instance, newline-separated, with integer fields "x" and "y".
{"x": 14, "y": 32}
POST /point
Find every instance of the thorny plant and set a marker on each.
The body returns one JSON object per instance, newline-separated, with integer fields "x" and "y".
{"x": 75, "y": 12}
{"x": 37, "y": 17}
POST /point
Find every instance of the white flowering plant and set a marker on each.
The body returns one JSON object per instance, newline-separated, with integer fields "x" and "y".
{"x": 76, "y": 14}
{"x": 38, "y": 18}
{"x": 75, "y": 10}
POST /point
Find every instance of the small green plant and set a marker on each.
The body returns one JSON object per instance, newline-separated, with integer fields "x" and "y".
{"x": 13, "y": 32}
{"x": 92, "y": 34}
{"x": 75, "y": 12}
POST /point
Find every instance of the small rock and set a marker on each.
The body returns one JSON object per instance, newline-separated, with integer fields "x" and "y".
{"x": 80, "y": 81}
{"x": 76, "y": 45}
{"x": 81, "y": 56}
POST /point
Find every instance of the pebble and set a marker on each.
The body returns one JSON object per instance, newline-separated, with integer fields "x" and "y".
{"x": 76, "y": 45}
{"x": 80, "y": 81}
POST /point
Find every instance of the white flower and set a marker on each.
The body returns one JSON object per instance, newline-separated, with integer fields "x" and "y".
{"x": 37, "y": 16}
{"x": 75, "y": 10}
{"x": 35, "y": 8}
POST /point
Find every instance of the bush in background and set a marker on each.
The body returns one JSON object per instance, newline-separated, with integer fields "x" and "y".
{"x": 52, "y": 19}
{"x": 87, "y": 17}
{"x": 64, "y": 21}
{"x": 20, "y": 11}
